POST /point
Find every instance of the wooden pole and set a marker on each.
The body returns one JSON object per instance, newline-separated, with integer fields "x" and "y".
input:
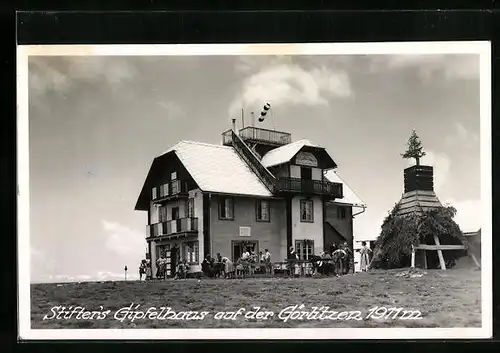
{"x": 475, "y": 260}
{"x": 440, "y": 253}
{"x": 424, "y": 252}
{"x": 412, "y": 257}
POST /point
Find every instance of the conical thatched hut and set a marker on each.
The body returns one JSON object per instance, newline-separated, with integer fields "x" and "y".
{"x": 419, "y": 227}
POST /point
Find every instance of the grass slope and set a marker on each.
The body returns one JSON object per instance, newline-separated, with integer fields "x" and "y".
{"x": 446, "y": 299}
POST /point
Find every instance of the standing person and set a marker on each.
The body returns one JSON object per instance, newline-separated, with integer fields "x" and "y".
{"x": 142, "y": 270}
{"x": 174, "y": 259}
{"x": 292, "y": 260}
{"x": 162, "y": 266}
{"x": 365, "y": 256}
{"x": 228, "y": 268}
{"x": 267, "y": 262}
{"x": 348, "y": 258}
{"x": 333, "y": 247}
{"x": 149, "y": 271}
{"x": 252, "y": 262}
{"x": 219, "y": 266}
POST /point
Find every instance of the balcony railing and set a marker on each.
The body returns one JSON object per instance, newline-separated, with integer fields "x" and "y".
{"x": 273, "y": 137}
{"x": 174, "y": 188}
{"x": 181, "y": 225}
{"x": 318, "y": 187}
{"x": 251, "y": 159}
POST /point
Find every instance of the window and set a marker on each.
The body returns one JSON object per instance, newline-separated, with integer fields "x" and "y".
{"x": 190, "y": 252}
{"x": 173, "y": 176}
{"x": 226, "y": 208}
{"x": 162, "y": 214}
{"x": 163, "y": 190}
{"x": 305, "y": 249}
{"x": 262, "y": 211}
{"x": 175, "y": 213}
{"x": 306, "y": 211}
{"x": 175, "y": 186}
{"x": 155, "y": 193}
{"x": 341, "y": 212}
{"x": 190, "y": 207}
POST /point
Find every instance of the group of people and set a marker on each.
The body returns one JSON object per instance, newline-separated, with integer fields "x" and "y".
{"x": 339, "y": 260}
{"x": 247, "y": 264}
{"x": 145, "y": 268}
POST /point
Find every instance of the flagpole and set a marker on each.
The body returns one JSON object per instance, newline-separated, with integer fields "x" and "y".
{"x": 242, "y": 119}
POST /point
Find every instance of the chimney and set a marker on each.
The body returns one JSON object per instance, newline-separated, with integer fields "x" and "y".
{"x": 419, "y": 177}
{"x": 234, "y": 124}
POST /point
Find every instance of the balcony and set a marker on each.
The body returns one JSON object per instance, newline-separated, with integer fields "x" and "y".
{"x": 174, "y": 228}
{"x": 269, "y": 137}
{"x": 256, "y": 135}
{"x": 173, "y": 190}
{"x": 309, "y": 187}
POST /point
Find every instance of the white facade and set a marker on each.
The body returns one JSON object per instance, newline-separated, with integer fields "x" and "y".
{"x": 308, "y": 230}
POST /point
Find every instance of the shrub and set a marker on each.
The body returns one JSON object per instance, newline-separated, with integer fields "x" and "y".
{"x": 393, "y": 247}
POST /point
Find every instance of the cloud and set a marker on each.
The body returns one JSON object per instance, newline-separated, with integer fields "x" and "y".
{"x": 461, "y": 136}
{"x": 279, "y": 81}
{"x": 125, "y": 242}
{"x": 469, "y": 214}
{"x": 173, "y": 110}
{"x": 40, "y": 264}
{"x": 429, "y": 66}
{"x": 60, "y": 74}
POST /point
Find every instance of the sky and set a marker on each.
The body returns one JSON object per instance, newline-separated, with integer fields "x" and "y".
{"x": 96, "y": 123}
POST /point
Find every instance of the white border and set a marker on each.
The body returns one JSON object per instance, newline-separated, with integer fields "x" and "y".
{"x": 481, "y": 48}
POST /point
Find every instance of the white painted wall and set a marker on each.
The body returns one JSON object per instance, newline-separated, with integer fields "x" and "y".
{"x": 304, "y": 230}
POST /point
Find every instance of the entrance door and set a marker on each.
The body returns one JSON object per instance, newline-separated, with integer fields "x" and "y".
{"x": 305, "y": 173}
{"x": 238, "y": 247}
{"x": 165, "y": 251}
{"x": 306, "y": 180}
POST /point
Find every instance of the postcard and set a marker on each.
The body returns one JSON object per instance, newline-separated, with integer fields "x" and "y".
{"x": 255, "y": 191}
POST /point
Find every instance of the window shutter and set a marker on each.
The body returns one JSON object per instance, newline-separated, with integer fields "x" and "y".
{"x": 265, "y": 210}
{"x": 229, "y": 207}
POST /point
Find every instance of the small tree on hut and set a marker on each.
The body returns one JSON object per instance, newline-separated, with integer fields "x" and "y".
{"x": 414, "y": 149}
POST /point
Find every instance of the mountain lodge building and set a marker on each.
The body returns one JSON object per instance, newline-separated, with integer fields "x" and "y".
{"x": 258, "y": 189}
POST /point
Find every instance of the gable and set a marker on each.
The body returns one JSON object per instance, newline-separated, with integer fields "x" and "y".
{"x": 307, "y": 152}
